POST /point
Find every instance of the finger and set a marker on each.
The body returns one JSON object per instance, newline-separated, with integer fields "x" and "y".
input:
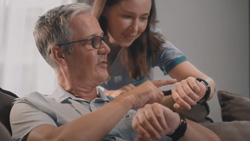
{"x": 139, "y": 129}
{"x": 192, "y": 95}
{"x": 155, "y": 117}
{"x": 158, "y": 111}
{"x": 194, "y": 86}
{"x": 177, "y": 106}
{"x": 183, "y": 95}
{"x": 159, "y": 83}
{"x": 179, "y": 100}
{"x": 160, "y": 94}
{"x": 148, "y": 125}
{"x": 202, "y": 89}
{"x": 128, "y": 87}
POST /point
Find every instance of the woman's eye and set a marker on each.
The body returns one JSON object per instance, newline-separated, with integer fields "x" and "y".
{"x": 126, "y": 16}
{"x": 144, "y": 18}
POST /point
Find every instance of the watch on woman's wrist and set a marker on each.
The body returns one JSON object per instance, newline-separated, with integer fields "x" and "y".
{"x": 208, "y": 90}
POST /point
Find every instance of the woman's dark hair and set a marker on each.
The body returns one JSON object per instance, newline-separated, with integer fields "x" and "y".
{"x": 137, "y": 57}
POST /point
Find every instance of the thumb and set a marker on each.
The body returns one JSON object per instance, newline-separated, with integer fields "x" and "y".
{"x": 159, "y": 83}
{"x": 177, "y": 106}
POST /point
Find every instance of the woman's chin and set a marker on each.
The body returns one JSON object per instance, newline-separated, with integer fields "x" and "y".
{"x": 125, "y": 45}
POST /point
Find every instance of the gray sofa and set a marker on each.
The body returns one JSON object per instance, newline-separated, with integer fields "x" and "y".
{"x": 235, "y": 111}
{"x": 6, "y": 100}
{"x": 235, "y": 114}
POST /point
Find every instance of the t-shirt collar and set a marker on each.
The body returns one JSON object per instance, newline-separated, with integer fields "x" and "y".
{"x": 60, "y": 95}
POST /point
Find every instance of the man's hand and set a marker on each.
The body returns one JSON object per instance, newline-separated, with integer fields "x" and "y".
{"x": 146, "y": 93}
{"x": 187, "y": 93}
{"x": 115, "y": 93}
{"x": 155, "y": 121}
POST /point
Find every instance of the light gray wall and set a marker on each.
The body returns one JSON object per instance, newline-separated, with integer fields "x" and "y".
{"x": 214, "y": 36}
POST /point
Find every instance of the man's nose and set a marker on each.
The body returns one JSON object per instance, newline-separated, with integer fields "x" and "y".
{"x": 104, "y": 49}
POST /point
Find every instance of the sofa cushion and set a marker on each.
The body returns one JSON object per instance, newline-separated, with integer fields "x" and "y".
{"x": 4, "y": 134}
{"x": 6, "y": 102}
{"x": 230, "y": 131}
{"x": 233, "y": 106}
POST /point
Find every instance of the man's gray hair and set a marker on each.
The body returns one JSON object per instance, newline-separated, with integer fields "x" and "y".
{"x": 54, "y": 27}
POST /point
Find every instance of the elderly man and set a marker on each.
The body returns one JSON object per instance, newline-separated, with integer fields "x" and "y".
{"x": 70, "y": 40}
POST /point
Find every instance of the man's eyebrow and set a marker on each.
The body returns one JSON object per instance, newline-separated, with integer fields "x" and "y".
{"x": 102, "y": 34}
{"x": 96, "y": 34}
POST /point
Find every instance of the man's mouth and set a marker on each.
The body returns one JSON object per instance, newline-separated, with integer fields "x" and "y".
{"x": 103, "y": 64}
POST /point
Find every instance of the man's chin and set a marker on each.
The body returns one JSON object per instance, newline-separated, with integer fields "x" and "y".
{"x": 105, "y": 78}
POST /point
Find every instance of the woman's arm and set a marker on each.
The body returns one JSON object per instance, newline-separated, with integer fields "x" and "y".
{"x": 188, "y": 91}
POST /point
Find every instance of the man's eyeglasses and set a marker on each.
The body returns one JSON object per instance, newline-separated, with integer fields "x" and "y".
{"x": 96, "y": 42}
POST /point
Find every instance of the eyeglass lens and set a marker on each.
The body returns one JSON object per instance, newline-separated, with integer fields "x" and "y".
{"x": 96, "y": 42}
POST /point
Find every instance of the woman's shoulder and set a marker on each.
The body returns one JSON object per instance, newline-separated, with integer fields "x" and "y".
{"x": 166, "y": 43}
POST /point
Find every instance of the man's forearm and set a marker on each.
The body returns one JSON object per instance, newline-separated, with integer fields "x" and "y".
{"x": 197, "y": 132}
{"x": 92, "y": 126}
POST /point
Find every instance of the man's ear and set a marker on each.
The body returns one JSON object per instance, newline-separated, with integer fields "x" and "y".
{"x": 58, "y": 55}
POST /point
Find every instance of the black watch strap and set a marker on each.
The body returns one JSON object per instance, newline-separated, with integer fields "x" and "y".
{"x": 180, "y": 131}
{"x": 207, "y": 94}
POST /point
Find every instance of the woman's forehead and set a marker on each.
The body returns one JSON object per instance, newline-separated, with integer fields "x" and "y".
{"x": 134, "y": 6}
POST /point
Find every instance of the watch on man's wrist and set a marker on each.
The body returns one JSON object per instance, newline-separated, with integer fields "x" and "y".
{"x": 181, "y": 129}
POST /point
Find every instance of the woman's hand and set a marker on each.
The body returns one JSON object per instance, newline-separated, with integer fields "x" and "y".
{"x": 187, "y": 93}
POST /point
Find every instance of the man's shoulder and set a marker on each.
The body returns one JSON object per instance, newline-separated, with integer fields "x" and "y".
{"x": 34, "y": 97}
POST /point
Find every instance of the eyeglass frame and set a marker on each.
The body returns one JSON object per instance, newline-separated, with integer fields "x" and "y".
{"x": 83, "y": 40}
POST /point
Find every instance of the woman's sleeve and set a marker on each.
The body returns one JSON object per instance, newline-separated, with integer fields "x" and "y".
{"x": 169, "y": 57}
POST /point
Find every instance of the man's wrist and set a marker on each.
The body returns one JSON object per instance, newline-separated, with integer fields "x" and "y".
{"x": 125, "y": 101}
{"x": 181, "y": 129}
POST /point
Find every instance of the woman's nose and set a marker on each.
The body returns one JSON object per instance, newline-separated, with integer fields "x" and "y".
{"x": 134, "y": 26}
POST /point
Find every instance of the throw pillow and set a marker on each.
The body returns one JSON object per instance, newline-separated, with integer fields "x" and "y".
{"x": 6, "y": 102}
{"x": 234, "y": 106}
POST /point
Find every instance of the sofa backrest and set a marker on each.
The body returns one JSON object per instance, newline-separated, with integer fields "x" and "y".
{"x": 4, "y": 133}
{"x": 6, "y": 103}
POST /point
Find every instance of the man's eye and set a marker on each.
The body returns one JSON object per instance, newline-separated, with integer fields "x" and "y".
{"x": 85, "y": 43}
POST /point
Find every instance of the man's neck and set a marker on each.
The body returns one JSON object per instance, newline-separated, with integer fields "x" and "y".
{"x": 84, "y": 93}
{"x": 87, "y": 92}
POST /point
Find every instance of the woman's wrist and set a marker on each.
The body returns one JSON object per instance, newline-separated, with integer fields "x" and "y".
{"x": 208, "y": 90}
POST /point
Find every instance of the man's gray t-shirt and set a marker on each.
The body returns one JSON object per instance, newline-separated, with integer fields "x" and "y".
{"x": 60, "y": 108}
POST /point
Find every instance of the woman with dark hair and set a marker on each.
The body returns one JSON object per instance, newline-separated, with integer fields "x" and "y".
{"x": 136, "y": 47}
